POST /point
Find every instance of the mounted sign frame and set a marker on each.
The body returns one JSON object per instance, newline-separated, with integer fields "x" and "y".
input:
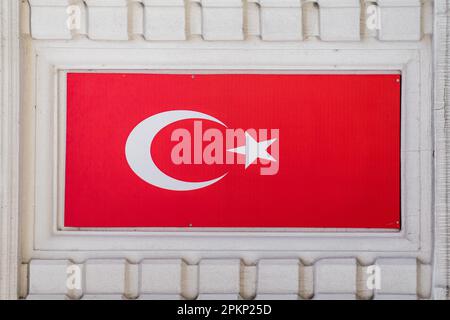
{"x": 232, "y": 150}
{"x": 54, "y": 61}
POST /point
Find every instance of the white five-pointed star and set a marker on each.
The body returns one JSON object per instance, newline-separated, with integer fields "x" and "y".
{"x": 253, "y": 150}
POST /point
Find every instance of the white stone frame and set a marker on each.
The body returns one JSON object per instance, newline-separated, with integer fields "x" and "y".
{"x": 52, "y": 60}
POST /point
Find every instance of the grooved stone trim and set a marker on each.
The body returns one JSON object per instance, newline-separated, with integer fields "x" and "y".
{"x": 48, "y": 277}
{"x": 395, "y": 297}
{"x": 107, "y": 20}
{"x": 228, "y": 20}
{"x": 230, "y": 279}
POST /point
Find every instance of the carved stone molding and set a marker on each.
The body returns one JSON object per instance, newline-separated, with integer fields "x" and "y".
{"x": 442, "y": 146}
{"x": 272, "y": 21}
{"x": 230, "y": 20}
{"x": 9, "y": 147}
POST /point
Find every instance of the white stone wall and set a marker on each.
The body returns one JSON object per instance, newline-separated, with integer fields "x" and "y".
{"x": 407, "y": 24}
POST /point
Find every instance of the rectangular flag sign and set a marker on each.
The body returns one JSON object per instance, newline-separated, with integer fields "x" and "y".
{"x": 233, "y": 150}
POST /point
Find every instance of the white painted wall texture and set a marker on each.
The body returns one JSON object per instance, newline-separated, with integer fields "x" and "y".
{"x": 323, "y": 34}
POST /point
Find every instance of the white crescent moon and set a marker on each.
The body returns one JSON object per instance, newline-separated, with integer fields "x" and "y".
{"x": 137, "y": 150}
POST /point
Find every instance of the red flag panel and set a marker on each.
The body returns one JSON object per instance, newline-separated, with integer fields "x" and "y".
{"x": 233, "y": 150}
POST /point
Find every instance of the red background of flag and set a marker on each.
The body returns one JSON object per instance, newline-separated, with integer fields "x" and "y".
{"x": 339, "y": 151}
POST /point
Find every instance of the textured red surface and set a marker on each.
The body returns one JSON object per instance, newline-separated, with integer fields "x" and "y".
{"x": 339, "y": 162}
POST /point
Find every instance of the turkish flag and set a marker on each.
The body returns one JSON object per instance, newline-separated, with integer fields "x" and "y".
{"x": 330, "y": 145}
